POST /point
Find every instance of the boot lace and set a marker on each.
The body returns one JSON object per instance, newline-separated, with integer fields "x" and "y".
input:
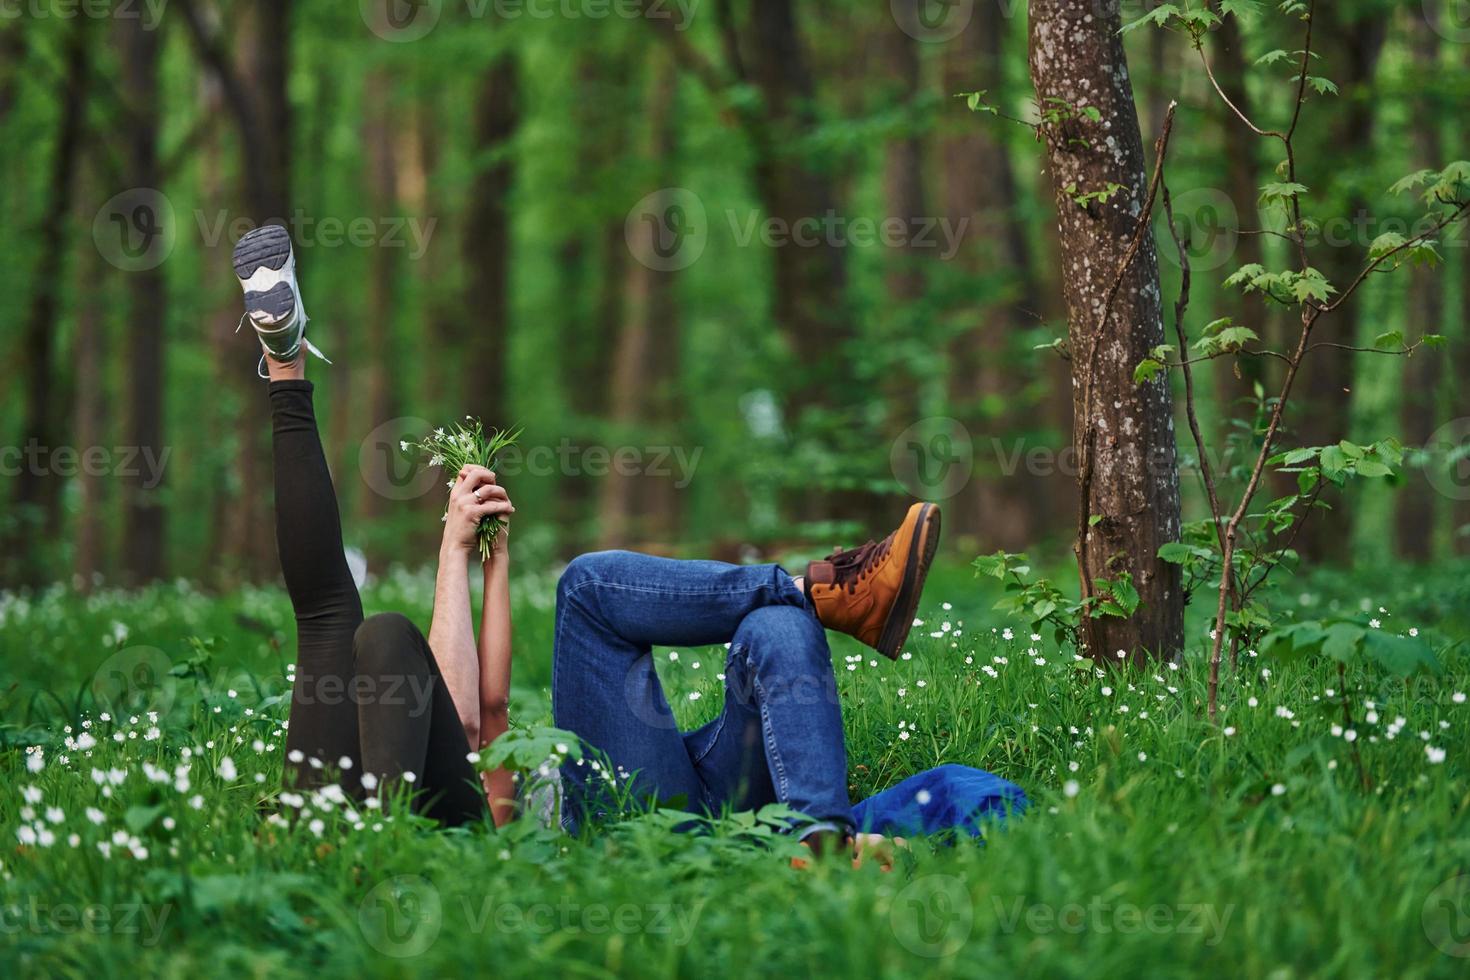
{"x": 851, "y": 567}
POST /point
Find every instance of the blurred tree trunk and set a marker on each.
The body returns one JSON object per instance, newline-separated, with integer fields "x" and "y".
{"x": 12, "y": 65}
{"x": 809, "y": 284}
{"x": 89, "y": 408}
{"x": 1343, "y": 152}
{"x": 980, "y": 188}
{"x": 1460, "y": 366}
{"x": 646, "y": 355}
{"x": 144, "y": 524}
{"x": 1242, "y": 187}
{"x": 1131, "y": 507}
{"x": 903, "y": 190}
{"x": 232, "y": 358}
{"x": 592, "y": 264}
{"x": 380, "y": 121}
{"x": 1424, "y": 370}
{"x": 487, "y": 246}
{"x": 253, "y": 87}
{"x": 36, "y": 506}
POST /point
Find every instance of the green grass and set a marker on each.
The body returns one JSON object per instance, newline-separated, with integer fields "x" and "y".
{"x": 1155, "y": 846}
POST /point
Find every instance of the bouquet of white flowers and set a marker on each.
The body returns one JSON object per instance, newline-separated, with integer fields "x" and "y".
{"x": 462, "y": 445}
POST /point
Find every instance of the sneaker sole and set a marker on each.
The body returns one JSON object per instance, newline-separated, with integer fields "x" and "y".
{"x": 278, "y": 302}
{"x": 916, "y": 569}
{"x": 267, "y": 247}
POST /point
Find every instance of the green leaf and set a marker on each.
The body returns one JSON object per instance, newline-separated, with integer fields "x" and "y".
{"x": 1324, "y": 86}
{"x": 1245, "y": 275}
{"x": 1417, "y": 179}
{"x": 1334, "y": 463}
{"x": 1390, "y": 340}
{"x": 1401, "y": 655}
{"x": 140, "y": 818}
{"x": 1341, "y": 641}
{"x": 1372, "y": 468}
{"x": 1386, "y": 243}
{"x": 1147, "y": 370}
{"x": 1159, "y": 17}
{"x": 1282, "y": 191}
{"x": 1176, "y": 553}
{"x": 1311, "y": 285}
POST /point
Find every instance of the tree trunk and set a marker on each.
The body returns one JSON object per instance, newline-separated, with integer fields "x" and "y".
{"x": 1424, "y": 370}
{"x": 89, "y": 417}
{"x": 36, "y": 512}
{"x": 808, "y": 283}
{"x": 253, "y": 87}
{"x": 381, "y": 173}
{"x": 903, "y": 190}
{"x": 1351, "y": 53}
{"x": 1242, "y": 187}
{"x": 1124, "y": 431}
{"x": 645, "y": 356}
{"x": 487, "y": 246}
{"x": 144, "y": 524}
{"x": 980, "y": 187}
{"x": 591, "y": 265}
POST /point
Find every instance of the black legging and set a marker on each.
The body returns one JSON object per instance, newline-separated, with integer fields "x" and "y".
{"x": 369, "y": 690}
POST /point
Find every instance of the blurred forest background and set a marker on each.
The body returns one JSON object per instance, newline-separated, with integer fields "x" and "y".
{"x": 482, "y": 197}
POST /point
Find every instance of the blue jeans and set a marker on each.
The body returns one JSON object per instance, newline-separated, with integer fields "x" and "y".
{"x": 779, "y": 737}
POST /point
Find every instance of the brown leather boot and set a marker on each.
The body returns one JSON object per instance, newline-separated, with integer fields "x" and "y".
{"x": 871, "y": 592}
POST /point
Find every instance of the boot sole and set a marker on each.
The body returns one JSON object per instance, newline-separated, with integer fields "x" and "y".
{"x": 916, "y": 569}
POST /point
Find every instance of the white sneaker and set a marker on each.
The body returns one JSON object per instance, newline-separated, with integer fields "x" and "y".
{"x": 266, "y": 268}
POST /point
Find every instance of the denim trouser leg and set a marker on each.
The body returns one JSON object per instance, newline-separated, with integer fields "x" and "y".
{"x": 613, "y": 607}
{"x": 779, "y": 738}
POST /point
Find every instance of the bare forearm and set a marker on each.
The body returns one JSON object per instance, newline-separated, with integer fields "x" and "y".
{"x": 495, "y": 636}
{"x": 494, "y": 664}
{"x": 452, "y": 638}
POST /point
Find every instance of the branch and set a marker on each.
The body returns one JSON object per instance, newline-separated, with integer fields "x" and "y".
{"x": 1445, "y": 221}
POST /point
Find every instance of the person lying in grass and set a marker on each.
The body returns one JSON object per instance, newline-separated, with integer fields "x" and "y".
{"x": 378, "y": 707}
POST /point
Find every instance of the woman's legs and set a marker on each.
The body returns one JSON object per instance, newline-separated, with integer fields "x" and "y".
{"x": 324, "y": 725}
{"x": 408, "y": 722}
